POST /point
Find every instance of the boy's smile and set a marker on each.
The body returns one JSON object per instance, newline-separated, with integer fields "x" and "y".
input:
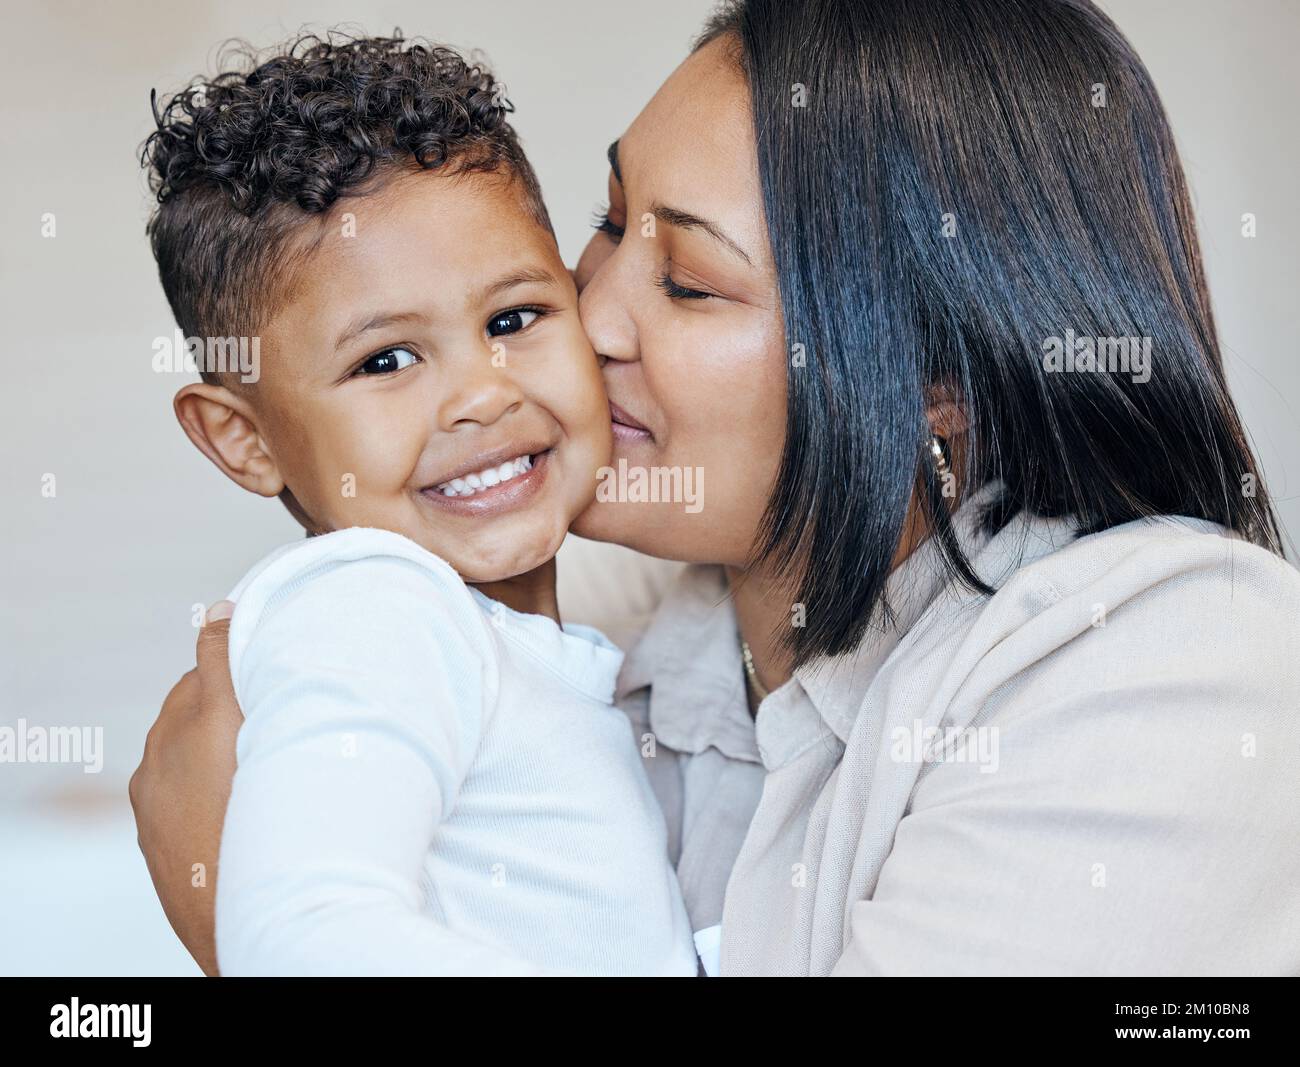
{"x": 493, "y": 486}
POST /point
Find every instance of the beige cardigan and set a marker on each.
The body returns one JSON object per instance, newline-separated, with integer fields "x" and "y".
{"x": 1114, "y": 791}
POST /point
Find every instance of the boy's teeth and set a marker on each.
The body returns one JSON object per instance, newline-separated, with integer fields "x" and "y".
{"x": 486, "y": 478}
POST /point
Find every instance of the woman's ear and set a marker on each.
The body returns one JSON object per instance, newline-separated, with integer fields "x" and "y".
{"x": 945, "y": 414}
{"x": 220, "y": 423}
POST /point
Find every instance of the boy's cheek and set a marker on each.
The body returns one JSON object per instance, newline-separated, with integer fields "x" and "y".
{"x": 583, "y": 388}
{"x": 346, "y": 482}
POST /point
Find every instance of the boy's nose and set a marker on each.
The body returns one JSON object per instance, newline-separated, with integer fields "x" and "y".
{"x": 481, "y": 395}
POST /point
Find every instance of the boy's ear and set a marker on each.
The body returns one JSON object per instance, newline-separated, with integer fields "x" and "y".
{"x": 220, "y": 424}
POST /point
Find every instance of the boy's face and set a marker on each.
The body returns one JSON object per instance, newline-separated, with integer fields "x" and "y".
{"x": 428, "y": 351}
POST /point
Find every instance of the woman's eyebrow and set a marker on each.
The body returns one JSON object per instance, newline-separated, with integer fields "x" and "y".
{"x": 672, "y": 216}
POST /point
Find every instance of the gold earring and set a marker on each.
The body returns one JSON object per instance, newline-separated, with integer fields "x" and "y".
{"x": 939, "y": 454}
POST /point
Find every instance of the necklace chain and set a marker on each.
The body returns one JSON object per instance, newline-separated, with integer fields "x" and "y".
{"x": 759, "y": 690}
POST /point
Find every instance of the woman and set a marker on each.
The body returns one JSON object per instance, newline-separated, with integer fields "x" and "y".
{"x": 985, "y": 666}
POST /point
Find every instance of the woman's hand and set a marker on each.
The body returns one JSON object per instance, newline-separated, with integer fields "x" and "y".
{"x": 179, "y": 791}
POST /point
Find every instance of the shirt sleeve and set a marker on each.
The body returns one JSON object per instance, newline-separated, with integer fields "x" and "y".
{"x": 365, "y": 671}
{"x": 1120, "y": 826}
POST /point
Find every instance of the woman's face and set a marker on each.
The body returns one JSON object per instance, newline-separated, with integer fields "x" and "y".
{"x": 679, "y": 298}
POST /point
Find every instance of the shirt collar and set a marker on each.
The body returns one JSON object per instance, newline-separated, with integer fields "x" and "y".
{"x": 689, "y": 653}
{"x": 689, "y": 656}
{"x": 837, "y": 686}
{"x": 580, "y": 656}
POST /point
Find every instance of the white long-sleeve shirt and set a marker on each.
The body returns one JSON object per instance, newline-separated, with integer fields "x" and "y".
{"x": 431, "y": 783}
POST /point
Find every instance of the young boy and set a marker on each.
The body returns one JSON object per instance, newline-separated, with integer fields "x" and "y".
{"x": 432, "y": 777}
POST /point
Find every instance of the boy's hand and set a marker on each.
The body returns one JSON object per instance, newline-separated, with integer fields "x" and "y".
{"x": 179, "y": 791}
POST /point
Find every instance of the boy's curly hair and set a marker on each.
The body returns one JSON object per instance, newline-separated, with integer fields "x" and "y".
{"x": 239, "y": 162}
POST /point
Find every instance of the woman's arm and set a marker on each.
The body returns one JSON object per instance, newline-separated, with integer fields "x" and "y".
{"x": 180, "y": 789}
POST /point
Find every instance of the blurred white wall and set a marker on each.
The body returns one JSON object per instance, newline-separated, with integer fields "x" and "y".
{"x": 101, "y": 580}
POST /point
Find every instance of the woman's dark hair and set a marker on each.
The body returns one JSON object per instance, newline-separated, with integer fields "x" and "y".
{"x": 965, "y": 198}
{"x": 241, "y": 161}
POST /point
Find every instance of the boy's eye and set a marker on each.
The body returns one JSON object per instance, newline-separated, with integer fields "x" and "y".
{"x": 388, "y": 361}
{"x": 507, "y": 322}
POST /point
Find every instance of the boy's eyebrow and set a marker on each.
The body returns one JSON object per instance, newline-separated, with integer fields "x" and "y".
{"x": 529, "y": 275}
{"x": 672, "y": 216}
{"x": 368, "y": 321}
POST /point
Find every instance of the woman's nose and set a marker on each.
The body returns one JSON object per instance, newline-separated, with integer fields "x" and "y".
{"x": 603, "y": 303}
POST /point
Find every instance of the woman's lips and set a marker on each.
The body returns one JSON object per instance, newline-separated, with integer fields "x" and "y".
{"x": 625, "y": 427}
{"x": 496, "y": 499}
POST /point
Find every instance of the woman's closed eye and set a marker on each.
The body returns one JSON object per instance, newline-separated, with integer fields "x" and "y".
{"x": 679, "y": 292}
{"x": 602, "y": 224}
{"x": 388, "y": 361}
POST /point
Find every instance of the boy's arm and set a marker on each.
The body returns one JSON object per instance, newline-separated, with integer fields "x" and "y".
{"x": 364, "y": 682}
